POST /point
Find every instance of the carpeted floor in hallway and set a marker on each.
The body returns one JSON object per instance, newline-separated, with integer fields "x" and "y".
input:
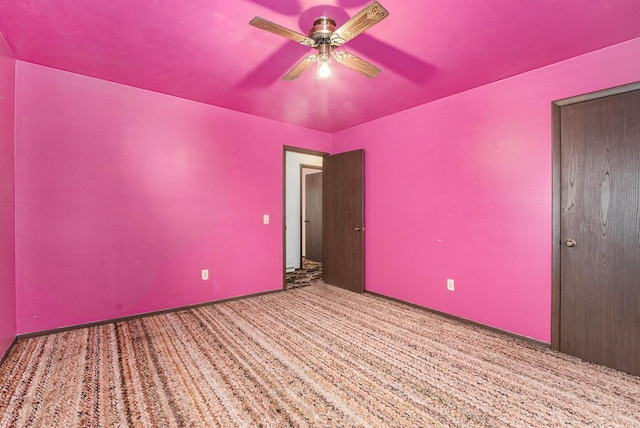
{"x": 309, "y": 273}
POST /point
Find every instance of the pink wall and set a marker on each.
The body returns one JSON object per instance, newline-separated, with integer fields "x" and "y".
{"x": 7, "y": 199}
{"x": 461, "y": 188}
{"x": 124, "y": 195}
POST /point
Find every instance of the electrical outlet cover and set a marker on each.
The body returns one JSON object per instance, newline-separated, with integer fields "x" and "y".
{"x": 450, "y": 285}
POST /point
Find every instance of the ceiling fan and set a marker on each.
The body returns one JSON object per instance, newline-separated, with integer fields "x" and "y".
{"x": 324, "y": 37}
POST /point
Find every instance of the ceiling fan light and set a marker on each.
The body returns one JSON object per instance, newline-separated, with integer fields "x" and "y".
{"x": 324, "y": 59}
{"x": 324, "y": 70}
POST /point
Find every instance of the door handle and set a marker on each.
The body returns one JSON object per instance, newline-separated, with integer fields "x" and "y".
{"x": 570, "y": 243}
{"x": 359, "y": 229}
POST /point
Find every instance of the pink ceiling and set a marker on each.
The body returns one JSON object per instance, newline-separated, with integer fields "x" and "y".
{"x": 204, "y": 50}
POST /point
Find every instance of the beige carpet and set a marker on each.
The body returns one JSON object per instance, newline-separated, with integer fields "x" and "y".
{"x": 312, "y": 356}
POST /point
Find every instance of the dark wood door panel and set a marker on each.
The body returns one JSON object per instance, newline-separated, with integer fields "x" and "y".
{"x": 343, "y": 220}
{"x": 600, "y": 212}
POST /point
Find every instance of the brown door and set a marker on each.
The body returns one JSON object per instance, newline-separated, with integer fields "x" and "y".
{"x": 599, "y": 310}
{"x": 343, "y": 220}
{"x": 313, "y": 216}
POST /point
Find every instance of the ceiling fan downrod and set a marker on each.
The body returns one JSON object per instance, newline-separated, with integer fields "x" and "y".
{"x": 321, "y": 32}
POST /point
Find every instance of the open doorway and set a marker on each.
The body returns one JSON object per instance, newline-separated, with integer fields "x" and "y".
{"x": 342, "y": 215}
{"x": 303, "y": 217}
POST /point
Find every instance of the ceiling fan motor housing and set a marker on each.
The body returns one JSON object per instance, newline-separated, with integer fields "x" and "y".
{"x": 322, "y": 29}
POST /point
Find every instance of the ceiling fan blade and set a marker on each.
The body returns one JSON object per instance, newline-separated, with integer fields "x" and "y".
{"x": 362, "y": 20}
{"x": 281, "y": 31}
{"x": 358, "y": 64}
{"x": 300, "y": 67}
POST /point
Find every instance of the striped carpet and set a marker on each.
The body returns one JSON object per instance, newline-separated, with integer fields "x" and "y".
{"x": 312, "y": 356}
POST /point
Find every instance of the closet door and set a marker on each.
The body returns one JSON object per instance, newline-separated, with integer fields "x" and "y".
{"x": 599, "y": 315}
